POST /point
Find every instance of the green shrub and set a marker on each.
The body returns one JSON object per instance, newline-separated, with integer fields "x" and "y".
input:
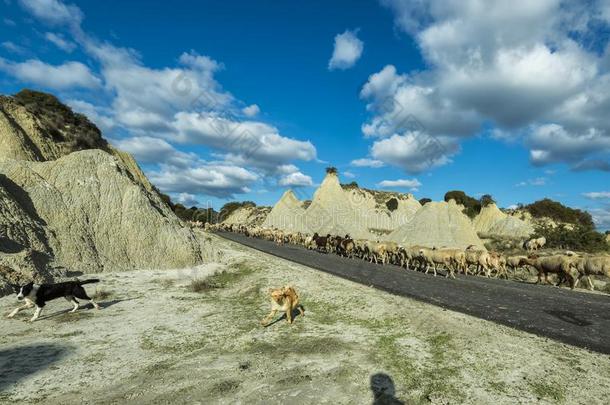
{"x": 424, "y": 201}
{"x": 63, "y": 124}
{"x": 581, "y": 238}
{"x": 559, "y": 212}
{"x": 472, "y": 206}
{"x": 392, "y": 204}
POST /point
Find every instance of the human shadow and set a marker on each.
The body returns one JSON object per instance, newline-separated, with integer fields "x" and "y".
{"x": 295, "y": 314}
{"x": 384, "y": 391}
{"x": 20, "y": 362}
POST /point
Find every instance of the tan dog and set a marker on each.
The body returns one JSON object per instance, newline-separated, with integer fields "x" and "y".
{"x": 283, "y": 299}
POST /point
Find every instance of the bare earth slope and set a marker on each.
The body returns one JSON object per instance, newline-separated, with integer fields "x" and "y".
{"x": 100, "y": 218}
{"x": 438, "y": 224}
{"x": 69, "y": 199}
{"x": 208, "y": 347}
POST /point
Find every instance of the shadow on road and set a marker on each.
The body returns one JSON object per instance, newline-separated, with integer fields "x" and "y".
{"x": 20, "y": 362}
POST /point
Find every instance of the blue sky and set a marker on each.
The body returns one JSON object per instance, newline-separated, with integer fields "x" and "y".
{"x": 242, "y": 99}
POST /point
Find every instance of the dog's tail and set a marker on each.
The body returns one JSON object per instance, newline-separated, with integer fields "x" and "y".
{"x": 91, "y": 280}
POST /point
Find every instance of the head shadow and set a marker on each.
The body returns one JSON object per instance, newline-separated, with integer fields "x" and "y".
{"x": 384, "y": 391}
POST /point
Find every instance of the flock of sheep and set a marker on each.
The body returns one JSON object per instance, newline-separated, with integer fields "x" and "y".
{"x": 568, "y": 266}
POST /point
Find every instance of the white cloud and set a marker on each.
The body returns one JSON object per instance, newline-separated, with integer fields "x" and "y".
{"x": 59, "y": 41}
{"x": 147, "y": 149}
{"x": 13, "y": 47}
{"x": 251, "y": 110}
{"x": 9, "y": 22}
{"x": 188, "y": 200}
{"x": 412, "y": 184}
{"x": 67, "y": 75}
{"x": 538, "y": 181}
{"x": 481, "y": 71}
{"x": 597, "y": 195}
{"x": 366, "y": 162}
{"x": 53, "y": 12}
{"x": 219, "y": 180}
{"x": 349, "y": 174}
{"x": 296, "y": 179}
{"x": 415, "y": 151}
{"x": 252, "y": 141}
{"x": 347, "y": 51}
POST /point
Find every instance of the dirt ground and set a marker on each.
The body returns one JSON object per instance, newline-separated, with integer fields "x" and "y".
{"x": 193, "y": 336}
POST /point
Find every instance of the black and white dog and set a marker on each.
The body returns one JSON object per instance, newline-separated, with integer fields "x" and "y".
{"x": 38, "y": 295}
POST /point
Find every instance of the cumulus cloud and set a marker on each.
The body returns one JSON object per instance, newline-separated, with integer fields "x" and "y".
{"x": 67, "y": 75}
{"x": 538, "y": 181}
{"x": 415, "y": 151}
{"x": 219, "y": 180}
{"x": 59, "y": 41}
{"x": 251, "y": 110}
{"x": 13, "y": 47}
{"x": 366, "y": 162}
{"x": 539, "y": 83}
{"x": 296, "y": 179}
{"x": 597, "y": 195}
{"x": 411, "y": 184}
{"x": 148, "y": 149}
{"x": 154, "y": 112}
{"x": 53, "y": 12}
{"x": 349, "y": 174}
{"x": 188, "y": 200}
{"x": 347, "y": 51}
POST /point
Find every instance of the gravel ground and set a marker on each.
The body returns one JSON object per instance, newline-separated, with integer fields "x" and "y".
{"x": 193, "y": 336}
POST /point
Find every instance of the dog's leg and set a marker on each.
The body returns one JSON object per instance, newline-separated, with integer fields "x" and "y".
{"x": 16, "y": 310}
{"x": 76, "y": 305}
{"x": 289, "y": 314}
{"x": 301, "y": 310}
{"x": 36, "y": 314}
{"x": 268, "y": 318}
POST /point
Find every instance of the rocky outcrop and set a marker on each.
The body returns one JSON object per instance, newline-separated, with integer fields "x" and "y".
{"x": 248, "y": 216}
{"x": 287, "y": 214}
{"x": 491, "y": 222}
{"x": 70, "y": 200}
{"x": 438, "y": 224}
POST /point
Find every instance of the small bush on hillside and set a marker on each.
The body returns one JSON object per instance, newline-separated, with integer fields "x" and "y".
{"x": 64, "y": 124}
{"x": 392, "y": 204}
{"x": 231, "y": 207}
{"x": 472, "y": 206}
{"x": 424, "y": 201}
{"x": 580, "y": 238}
{"x": 486, "y": 200}
{"x": 559, "y": 212}
{"x": 331, "y": 170}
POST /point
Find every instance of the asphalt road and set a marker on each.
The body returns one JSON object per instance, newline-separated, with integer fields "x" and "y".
{"x": 576, "y": 318}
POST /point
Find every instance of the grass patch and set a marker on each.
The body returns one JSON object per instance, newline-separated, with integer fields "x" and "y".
{"x": 222, "y": 279}
{"x": 432, "y": 381}
{"x": 69, "y": 334}
{"x": 303, "y": 346}
{"x": 168, "y": 341}
{"x": 549, "y": 390}
{"x": 166, "y": 282}
{"x": 224, "y": 387}
{"x": 69, "y": 317}
{"x": 102, "y": 294}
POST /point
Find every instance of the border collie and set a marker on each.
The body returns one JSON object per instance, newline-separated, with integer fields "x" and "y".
{"x": 38, "y": 295}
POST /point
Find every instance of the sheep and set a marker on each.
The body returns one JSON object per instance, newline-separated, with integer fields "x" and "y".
{"x": 560, "y": 264}
{"x": 591, "y": 265}
{"x": 434, "y": 257}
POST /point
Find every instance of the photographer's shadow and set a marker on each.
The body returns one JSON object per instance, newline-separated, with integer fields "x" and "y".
{"x": 384, "y": 391}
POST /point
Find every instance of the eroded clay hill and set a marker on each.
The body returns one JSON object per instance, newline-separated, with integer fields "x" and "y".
{"x": 70, "y": 197}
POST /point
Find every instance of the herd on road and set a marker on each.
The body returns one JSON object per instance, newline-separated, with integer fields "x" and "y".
{"x": 567, "y": 266}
